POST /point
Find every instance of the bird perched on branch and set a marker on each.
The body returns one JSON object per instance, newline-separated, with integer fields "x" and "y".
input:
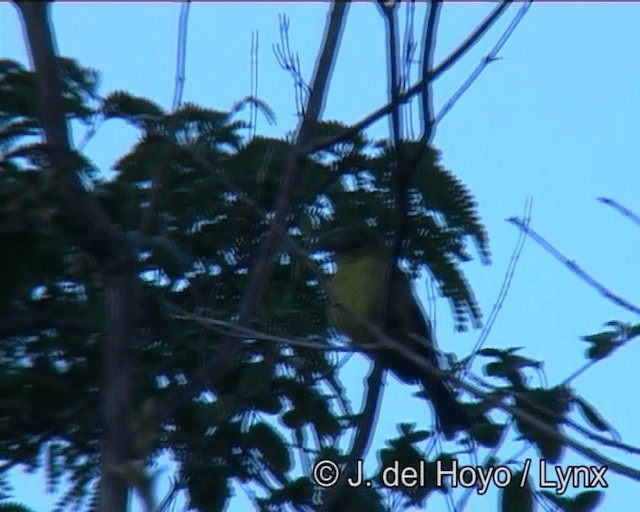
{"x": 363, "y": 261}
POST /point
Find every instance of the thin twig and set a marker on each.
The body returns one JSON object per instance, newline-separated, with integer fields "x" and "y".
{"x": 235, "y": 330}
{"x": 466, "y": 495}
{"x": 574, "y": 267}
{"x": 410, "y": 47}
{"x": 181, "y": 54}
{"x": 253, "y": 112}
{"x": 491, "y": 57}
{"x": 290, "y": 62}
{"x": 621, "y": 209}
{"x": 456, "y": 55}
{"x": 504, "y": 289}
{"x": 427, "y": 66}
{"x": 362, "y": 437}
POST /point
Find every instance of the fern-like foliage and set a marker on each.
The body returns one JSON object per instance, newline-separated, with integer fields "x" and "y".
{"x": 194, "y": 200}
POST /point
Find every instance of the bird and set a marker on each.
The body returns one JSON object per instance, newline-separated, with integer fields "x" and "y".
{"x": 362, "y": 260}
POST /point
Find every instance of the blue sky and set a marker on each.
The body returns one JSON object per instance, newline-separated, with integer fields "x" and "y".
{"x": 555, "y": 120}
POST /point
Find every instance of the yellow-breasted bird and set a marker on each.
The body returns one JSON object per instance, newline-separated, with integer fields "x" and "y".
{"x": 362, "y": 261}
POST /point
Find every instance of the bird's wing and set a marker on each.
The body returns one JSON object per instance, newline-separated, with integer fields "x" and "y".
{"x": 407, "y": 317}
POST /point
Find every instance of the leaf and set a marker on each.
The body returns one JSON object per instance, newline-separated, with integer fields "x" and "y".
{"x": 601, "y": 337}
{"x": 138, "y": 111}
{"x": 413, "y": 436}
{"x": 256, "y": 378}
{"x": 516, "y": 497}
{"x": 298, "y": 492}
{"x": 212, "y": 414}
{"x": 591, "y": 415}
{"x": 548, "y": 406}
{"x": 292, "y": 419}
{"x": 561, "y": 502}
{"x": 586, "y": 501}
{"x": 356, "y": 499}
{"x": 490, "y": 352}
{"x": 601, "y": 350}
{"x": 208, "y": 488}
{"x": 14, "y": 507}
{"x": 270, "y": 443}
{"x": 488, "y": 434}
{"x": 269, "y": 404}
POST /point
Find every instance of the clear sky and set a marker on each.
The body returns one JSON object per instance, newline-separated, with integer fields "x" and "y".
{"x": 556, "y": 119}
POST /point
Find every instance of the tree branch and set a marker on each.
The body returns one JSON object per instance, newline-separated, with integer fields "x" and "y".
{"x": 623, "y": 210}
{"x": 102, "y": 239}
{"x": 88, "y": 218}
{"x": 488, "y": 59}
{"x": 263, "y": 264}
{"x": 361, "y": 439}
{"x": 365, "y": 426}
{"x": 574, "y": 267}
{"x": 456, "y": 55}
{"x": 427, "y": 65}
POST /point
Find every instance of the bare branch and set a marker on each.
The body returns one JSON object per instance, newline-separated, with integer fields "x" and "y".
{"x": 233, "y": 329}
{"x": 456, "y": 55}
{"x": 261, "y": 269}
{"x": 574, "y": 267}
{"x": 290, "y": 62}
{"x": 181, "y": 53}
{"x": 390, "y": 15}
{"x": 362, "y": 437}
{"x": 621, "y": 209}
{"x": 102, "y": 239}
{"x": 427, "y": 65}
{"x": 504, "y": 289}
{"x": 491, "y": 57}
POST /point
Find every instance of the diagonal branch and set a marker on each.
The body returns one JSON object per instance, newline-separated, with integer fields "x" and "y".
{"x": 623, "y": 210}
{"x": 492, "y": 56}
{"x": 88, "y": 218}
{"x": 574, "y": 267}
{"x": 362, "y": 438}
{"x": 454, "y": 57}
{"x": 226, "y": 354}
{"x": 264, "y": 262}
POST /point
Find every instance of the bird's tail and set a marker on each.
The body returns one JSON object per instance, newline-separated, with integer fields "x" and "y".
{"x": 452, "y": 417}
